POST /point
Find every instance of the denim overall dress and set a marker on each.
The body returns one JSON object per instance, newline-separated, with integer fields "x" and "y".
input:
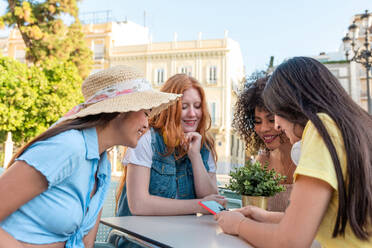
{"x": 169, "y": 178}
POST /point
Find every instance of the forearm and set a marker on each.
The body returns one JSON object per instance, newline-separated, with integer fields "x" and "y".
{"x": 6, "y": 240}
{"x": 204, "y": 185}
{"x": 257, "y": 234}
{"x": 273, "y": 217}
{"x": 155, "y": 205}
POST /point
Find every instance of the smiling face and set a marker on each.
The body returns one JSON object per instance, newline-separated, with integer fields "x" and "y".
{"x": 130, "y": 126}
{"x": 265, "y": 128}
{"x": 292, "y": 130}
{"x": 191, "y": 110}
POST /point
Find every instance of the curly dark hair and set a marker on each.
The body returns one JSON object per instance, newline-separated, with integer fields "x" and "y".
{"x": 243, "y": 121}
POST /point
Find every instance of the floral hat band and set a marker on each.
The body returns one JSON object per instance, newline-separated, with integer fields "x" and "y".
{"x": 122, "y": 88}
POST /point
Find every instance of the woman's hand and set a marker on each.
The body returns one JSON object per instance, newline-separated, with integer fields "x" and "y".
{"x": 213, "y": 197}
{"x": 229, "y": 221}
{"x": 193, "y": 140}
{"x": 254, "y": 213}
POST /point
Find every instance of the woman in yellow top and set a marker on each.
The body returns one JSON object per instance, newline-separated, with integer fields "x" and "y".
{"x": 332, "y": 196}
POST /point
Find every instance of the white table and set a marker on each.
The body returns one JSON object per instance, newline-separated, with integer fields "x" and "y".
{"x": 176, "y": 231}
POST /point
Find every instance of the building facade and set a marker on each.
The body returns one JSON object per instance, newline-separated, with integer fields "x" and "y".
{"x": 217, "y": 64}
{"x": 352, "y": 75}
{"x": 347, "y": 73}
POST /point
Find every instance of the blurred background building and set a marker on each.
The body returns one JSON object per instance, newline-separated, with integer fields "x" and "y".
{"x": 217, "y": 64}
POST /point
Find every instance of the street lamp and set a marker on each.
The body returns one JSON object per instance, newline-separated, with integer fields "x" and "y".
{"x": 358, "y": 51}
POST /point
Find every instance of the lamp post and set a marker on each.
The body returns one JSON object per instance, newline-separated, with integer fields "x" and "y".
{"x": 360, "y": 51}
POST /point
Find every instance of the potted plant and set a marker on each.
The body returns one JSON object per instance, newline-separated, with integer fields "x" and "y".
{"x": 255, "y": 183}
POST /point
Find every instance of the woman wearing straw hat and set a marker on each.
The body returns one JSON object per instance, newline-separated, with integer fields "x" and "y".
{"x": 53, "y": 192}
{"x": 174, "y": 163}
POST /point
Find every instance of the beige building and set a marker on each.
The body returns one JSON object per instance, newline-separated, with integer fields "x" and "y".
{"x": 217, "y": 64}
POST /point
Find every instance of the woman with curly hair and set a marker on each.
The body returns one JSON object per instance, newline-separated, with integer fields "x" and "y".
{"x": 255, "y": 124}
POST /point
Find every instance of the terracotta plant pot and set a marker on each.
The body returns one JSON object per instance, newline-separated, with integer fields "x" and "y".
{"x": 258, "y": 201}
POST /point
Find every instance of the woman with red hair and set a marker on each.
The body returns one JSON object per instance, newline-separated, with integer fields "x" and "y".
{"x": 174, "y": 163}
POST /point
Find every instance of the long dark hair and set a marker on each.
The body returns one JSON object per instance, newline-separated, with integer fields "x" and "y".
{"x": 243, "y": 121}
{"x": 79, "y": 124}
{"x": 299, "y": 89}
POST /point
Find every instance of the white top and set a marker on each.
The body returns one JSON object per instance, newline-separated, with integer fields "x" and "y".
{"x": 142, "y": 154}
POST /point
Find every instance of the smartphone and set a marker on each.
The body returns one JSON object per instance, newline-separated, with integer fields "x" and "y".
{"x": 212, "y": 206}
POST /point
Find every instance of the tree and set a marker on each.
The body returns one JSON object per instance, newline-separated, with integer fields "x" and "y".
{"x": 254, "y": 76}
{"x": 46, "y": 35}
{"x": 32, "y": 98}
{"x": 271, "y": 63}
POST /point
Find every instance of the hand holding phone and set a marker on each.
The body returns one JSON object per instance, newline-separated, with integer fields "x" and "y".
{"x": 212, "y": 206}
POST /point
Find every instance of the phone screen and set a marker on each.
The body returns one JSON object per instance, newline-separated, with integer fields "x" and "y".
{"x": 212, "y": 206}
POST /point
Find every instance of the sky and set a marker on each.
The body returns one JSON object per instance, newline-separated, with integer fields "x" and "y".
{"x": 263, "y": 28}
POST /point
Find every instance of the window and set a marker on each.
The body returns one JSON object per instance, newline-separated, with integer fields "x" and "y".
{"x": 99, "y": 50}
{"x": 343, "y": 72}
{"x": 232, "y": 146}
{"x": 212, "y": 109}
{"x": 186, "y": 70}
{"x": 20, "y": 55}
{"x": 212, "y": 74}
{"x": 160, "y": 76}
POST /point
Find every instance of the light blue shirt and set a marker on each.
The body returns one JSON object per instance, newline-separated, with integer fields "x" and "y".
{"x": 69, "y": 162}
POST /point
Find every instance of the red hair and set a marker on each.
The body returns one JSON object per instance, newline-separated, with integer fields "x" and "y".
{"x": 169, "y": 120}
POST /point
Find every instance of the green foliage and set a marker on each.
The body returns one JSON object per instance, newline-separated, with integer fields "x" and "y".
{"x": 253, "y": 180}
{"x": 45, "y": 34}
{"x": 335, "y": 62}
{"x": 33, "y": 98}
{"x": 249, "y": 79}
{"x": 271, "y": 63}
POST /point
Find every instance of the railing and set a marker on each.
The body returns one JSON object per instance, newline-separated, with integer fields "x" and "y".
{"x": 233, "y": 199}
{"x": 96, "y": 17}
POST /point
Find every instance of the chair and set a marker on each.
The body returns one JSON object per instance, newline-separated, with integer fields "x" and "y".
{"x": 111, "y": 241}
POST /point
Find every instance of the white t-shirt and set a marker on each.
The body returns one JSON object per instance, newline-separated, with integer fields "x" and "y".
{"x": 142, "y": 154}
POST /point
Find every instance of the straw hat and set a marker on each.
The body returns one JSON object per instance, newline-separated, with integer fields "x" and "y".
{"x": 119, "y": 89}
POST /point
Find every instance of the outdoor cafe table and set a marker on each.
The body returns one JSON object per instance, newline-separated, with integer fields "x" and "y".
{"x": 175, "y": 231}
